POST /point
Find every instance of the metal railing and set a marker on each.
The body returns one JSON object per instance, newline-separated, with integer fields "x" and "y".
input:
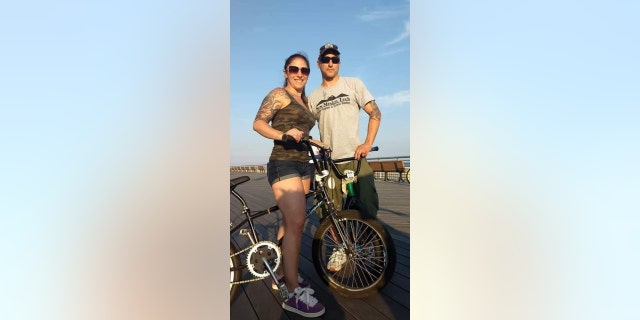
{"x": 391, "y": 176}
{"x": 260, "y": 168}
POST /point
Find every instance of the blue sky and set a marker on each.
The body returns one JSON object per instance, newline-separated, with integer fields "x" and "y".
{"x": 530, "y": 157}
{"x": 373, "y": 37}
{"x": 93, "y": 96}
{"x": 118, "y": 122}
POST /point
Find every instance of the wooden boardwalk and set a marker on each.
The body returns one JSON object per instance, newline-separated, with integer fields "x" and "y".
{"x": 258, "y": 301}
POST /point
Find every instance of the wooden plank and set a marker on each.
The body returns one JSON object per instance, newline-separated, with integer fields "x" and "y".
{"x": 263, "y": 302}
{"x": 258, "y": 301}
{"x": 241, "y": 308}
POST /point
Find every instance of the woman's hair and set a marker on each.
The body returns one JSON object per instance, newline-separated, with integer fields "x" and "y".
{"x": 286, "y": 64}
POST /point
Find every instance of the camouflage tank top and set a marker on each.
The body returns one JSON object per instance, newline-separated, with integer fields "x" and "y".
{"x": 294, "y": 115}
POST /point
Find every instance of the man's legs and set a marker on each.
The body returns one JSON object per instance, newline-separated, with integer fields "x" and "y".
{"x": 336, "y": 193}
{"x": 365, "y": 188}
{"x": 367, "y": 192}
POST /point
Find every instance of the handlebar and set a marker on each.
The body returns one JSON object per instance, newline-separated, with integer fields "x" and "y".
{"x": 352, "y": 158}
{"x": 326, "y": 157}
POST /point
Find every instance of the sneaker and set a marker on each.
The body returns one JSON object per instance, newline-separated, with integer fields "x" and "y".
{"x": 301, "y": 282}
{"x": 337, "y": 259}
{"x": 303, "y": 303}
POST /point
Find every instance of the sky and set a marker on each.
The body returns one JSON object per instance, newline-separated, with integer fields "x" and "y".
{"x": 530, "y": 157}
{"x": 119, "y": 120}
{"x": 100, "y": 102}
{"x": 373, "y": 37}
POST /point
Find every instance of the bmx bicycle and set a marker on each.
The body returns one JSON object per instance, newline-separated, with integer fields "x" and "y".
{"x": 368, "y": 249}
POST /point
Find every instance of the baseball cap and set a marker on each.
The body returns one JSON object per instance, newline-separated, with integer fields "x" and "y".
{"x": 328, "y": 47}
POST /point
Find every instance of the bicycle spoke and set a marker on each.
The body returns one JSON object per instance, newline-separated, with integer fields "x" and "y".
{"x": 367, "y": 259}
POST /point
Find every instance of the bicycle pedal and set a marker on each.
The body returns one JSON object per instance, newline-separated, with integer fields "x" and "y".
{"x": 244, "y": 232}
{"x": 284, "y": 292}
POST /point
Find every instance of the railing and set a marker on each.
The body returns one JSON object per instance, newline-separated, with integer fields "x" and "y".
{"x": 250, "y": 169}
{"x": 394, "y": 176}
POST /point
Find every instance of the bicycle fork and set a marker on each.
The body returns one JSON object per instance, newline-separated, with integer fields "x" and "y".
{"x": 338, "y": 232}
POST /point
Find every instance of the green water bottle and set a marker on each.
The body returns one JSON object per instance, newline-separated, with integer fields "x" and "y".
{"x": 350, "y": 189}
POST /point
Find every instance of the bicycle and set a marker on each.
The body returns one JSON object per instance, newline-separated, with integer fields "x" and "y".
{"x": 369, "y": 250}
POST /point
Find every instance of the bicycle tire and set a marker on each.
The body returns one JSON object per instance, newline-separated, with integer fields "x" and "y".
{"x": 352, "y": 203}
{"x": 369, "y": 267}
{"x": 236, "y": 274}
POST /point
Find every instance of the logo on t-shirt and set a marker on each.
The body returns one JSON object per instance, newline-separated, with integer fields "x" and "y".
{"x": 332, "y": 102}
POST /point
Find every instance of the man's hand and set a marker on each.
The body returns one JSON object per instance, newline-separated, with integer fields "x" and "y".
{"x": 362, "y": 151}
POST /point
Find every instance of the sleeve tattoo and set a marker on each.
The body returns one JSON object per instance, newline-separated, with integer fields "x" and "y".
{"x": 270, "y": 105}
{"x": 375, "y": 112}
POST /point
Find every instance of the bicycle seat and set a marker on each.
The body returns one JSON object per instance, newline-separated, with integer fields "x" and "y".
{"x": 238, "y": 181}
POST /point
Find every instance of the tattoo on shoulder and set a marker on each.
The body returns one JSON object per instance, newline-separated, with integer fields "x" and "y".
{"x": 270, "y": 105}
{"x": 375, "y": 112}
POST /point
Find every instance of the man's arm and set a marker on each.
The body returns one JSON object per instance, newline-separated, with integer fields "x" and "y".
{"x": 371, "y": 108}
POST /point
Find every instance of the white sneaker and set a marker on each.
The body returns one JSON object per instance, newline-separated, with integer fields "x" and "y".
{"x": 337, "y": 259}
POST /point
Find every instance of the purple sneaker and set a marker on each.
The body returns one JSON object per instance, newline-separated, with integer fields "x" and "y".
{"x": 301, "y": 282}
{"x": 303, "y": 303}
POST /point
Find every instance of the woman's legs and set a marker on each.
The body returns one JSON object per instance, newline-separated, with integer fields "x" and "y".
{"x": 306, "y": 184}
{"x": 290, "y": 197}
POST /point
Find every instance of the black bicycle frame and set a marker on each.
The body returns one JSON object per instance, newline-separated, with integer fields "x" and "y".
{"x": 322, "y": 167}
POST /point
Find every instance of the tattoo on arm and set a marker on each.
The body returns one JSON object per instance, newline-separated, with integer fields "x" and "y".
{"x": 270, "y": 105}
{"x": 375, "y": 112}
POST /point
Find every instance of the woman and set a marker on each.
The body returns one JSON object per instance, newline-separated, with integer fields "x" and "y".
{"x": 289, "y": 173}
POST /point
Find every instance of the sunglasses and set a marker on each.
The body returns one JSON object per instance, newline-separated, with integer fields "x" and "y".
{"x": 294, "y": 70}
{"x": 332, "y": 59}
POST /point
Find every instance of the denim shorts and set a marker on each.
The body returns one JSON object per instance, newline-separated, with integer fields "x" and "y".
{"x": 283, "y": 169}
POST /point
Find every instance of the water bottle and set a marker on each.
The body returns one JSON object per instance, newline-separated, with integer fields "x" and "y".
{"x": 350, "y": 189}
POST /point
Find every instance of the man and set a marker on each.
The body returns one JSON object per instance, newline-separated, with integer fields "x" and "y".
{"x": 336, "y": 104}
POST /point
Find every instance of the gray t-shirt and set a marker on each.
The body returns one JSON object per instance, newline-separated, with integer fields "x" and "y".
{"x": 337, "y": 110}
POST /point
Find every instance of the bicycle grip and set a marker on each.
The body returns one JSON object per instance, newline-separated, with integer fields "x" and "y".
{"x": 286, "y": 137}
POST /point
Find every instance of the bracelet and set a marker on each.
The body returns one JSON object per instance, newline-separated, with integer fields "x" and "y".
{"x": 282, "y": 138}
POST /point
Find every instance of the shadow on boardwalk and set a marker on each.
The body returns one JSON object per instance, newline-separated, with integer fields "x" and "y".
{"x": 258, "y": 301}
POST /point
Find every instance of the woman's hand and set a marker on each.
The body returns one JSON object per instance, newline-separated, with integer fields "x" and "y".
{"x": 295, "y": 133}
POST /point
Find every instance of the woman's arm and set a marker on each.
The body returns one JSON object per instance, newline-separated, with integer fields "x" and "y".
{"x": 273, "y": 102}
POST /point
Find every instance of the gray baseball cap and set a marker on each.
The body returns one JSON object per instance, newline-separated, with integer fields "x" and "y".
{"x": 328, "y": 47}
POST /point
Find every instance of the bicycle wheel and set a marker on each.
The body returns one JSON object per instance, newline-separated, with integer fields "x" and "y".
{"x": 352, "y": 203}
{"x": 236, "y": 273}
{"x": 370, "y": 259}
